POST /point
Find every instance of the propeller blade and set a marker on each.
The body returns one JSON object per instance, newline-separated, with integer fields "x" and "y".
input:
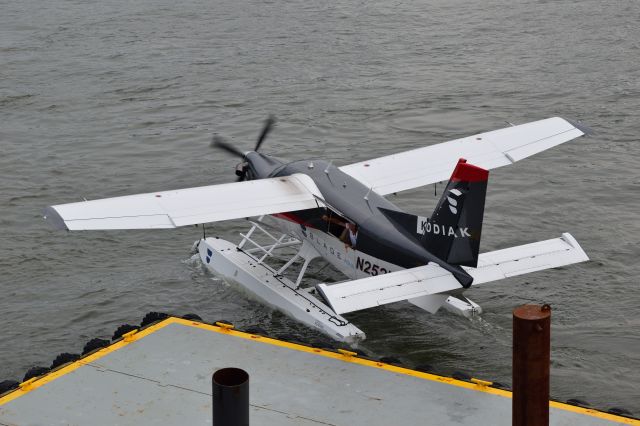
{"x": 268, "y": 125}
{"x": 220, "y": 143}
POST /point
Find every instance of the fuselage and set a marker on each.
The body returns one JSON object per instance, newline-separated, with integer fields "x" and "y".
{"x": 378, "y": 241}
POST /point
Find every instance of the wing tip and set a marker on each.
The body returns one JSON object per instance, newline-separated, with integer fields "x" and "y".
{"x": 52, "y": 216}
{"x": 586, "y": 130}
{"x": 568, "y": 238}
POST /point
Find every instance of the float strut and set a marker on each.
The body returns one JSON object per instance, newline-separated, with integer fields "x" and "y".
{"x": 230, "y": 390}
{"x": 531, "y": 358}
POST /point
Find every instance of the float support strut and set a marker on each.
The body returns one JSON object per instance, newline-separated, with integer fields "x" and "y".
{"x": 531, "y": 359}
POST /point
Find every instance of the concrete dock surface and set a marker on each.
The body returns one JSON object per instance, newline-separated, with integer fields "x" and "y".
{"x": 162, "y": 375}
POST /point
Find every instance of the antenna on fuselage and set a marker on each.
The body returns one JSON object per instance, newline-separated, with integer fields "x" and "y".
{"x": 326, "y": 172}
{"x": 366, "y": 197}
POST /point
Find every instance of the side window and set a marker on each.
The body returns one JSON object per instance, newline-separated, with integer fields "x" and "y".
{"x": 340, "y": 227}
{"x": 335, "y": 224}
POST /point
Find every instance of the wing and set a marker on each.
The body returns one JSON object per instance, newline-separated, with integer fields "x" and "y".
{"x": 422, "y": 166}
{"x": 181, "y": 207}
{"x": 431, "y": 279}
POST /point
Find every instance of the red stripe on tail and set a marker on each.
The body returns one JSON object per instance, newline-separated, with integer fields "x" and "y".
{"x": 466, "y": 172}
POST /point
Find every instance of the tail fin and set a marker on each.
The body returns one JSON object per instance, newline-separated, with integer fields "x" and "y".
{"x": 454, "y": 229}
{"x": 452, "y": 233}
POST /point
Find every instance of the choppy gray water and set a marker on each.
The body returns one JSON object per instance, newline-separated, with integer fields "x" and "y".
{"x": 110, "y": 98}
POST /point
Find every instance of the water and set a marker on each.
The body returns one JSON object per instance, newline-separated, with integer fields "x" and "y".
{"x": 109, "y": 98}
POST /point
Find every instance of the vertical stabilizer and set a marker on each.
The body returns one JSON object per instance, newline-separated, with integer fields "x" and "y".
{"x": 453, "y": 231}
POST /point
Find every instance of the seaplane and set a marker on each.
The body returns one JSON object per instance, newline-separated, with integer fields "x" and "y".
{"x": 314, "y": 209}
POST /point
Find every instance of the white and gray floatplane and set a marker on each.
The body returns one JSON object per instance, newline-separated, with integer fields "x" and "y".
{"x": 312, "y": 209}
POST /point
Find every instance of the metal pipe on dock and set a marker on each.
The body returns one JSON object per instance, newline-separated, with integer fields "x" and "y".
{"x": 230, "y": 391}
{"x": 531, "y": 360}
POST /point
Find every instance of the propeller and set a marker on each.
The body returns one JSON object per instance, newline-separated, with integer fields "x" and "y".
{"x": 220, "y": 143}
{"x": 268, "y": 125}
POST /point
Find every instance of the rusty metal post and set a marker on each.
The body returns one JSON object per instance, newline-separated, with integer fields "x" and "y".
{"x": 230, "y": 397}
{"x": 531, "y": 359}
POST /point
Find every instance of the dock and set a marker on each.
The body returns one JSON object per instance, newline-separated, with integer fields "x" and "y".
{"x": 161, "y": 374}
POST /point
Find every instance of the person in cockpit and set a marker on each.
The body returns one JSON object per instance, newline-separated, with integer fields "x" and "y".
{"x": 349, "y": 235}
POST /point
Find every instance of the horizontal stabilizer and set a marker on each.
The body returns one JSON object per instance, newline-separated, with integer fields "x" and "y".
{"x": 431, "y": 279}
{"x": 489, "y": 150}
{"x": 171, "y": 209}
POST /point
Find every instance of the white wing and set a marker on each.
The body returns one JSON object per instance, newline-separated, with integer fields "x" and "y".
{"x": 431, "y": 279}
{"x": 422, "y": 166}
{"x": 170, "y": 209}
